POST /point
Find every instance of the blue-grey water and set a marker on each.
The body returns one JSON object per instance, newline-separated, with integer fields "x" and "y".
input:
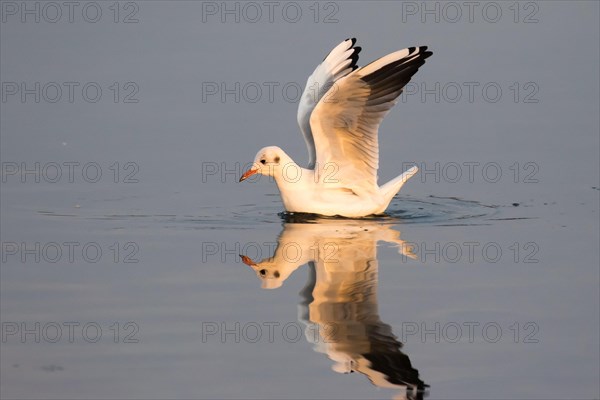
{"x": 125, "y": 127}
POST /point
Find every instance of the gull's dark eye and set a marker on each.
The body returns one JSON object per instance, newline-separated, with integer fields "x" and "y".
{"x": 263, "y": 162}
{"x": 276, "y": 274}
{"x": 277, "y": 159}
{"x": 263, "y": 272}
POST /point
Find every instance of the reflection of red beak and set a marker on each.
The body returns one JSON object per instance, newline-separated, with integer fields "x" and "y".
{"x": 248, "y": 173}
{"x": 247, "y": 260}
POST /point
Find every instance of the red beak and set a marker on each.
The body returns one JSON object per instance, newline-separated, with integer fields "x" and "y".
{"x": 247, "y": 260}
{"x": 247, "y": 174}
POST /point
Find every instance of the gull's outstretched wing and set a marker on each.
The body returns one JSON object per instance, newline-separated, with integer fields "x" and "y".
{"x": 338, "y": 63}
{"x": 345, "y": 122}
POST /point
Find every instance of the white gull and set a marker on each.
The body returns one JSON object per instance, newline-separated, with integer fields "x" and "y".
{"x": 339, "y": 114}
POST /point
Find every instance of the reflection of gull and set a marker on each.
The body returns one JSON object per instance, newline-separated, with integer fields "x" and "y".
{"x": 339, "y": 114}
{"x": 339, "y": 306}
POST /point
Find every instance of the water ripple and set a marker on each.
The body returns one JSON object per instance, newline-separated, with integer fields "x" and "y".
{"x": 437, "y": 211}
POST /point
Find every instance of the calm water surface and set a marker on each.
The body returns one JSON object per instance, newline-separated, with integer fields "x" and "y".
{"x": 481, "y": 281}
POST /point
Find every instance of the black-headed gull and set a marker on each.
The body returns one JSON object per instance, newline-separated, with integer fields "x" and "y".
{"x": 339, "y": 114}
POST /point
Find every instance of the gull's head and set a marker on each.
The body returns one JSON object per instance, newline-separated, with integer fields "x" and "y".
{"x": 268, "y": 272}
{"x": 267, "y": 162}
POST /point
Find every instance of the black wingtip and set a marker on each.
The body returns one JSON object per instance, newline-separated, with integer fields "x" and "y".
{"x": 356, "y": 49}
{"x": 423, "y": 50}
{"x": 404, "y": 67}
{"x": 354, "y": 58}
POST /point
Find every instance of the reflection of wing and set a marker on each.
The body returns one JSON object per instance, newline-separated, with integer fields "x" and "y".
{"x": 387, "y": 359}
{"x": 339, "y": 303}
{"x": 343, "y": 322}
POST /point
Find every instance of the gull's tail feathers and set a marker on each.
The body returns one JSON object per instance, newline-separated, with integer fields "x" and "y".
{"x": 390, "y": 189}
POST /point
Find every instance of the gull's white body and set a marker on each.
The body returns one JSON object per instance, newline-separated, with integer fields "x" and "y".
{"x": 339, "y": 115}
{"x": 319, "y": 191}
